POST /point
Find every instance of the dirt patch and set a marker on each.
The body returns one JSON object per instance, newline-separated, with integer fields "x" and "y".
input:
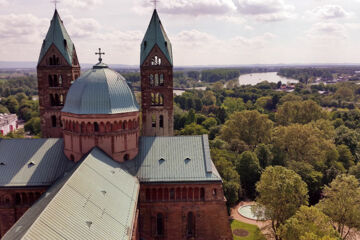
{"x": 240, "y": 232}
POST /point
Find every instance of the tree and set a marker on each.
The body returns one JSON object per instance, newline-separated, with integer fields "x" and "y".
{"x": 264, "y": 103}
{"x": 12, "y": 104}
{"x": 250, "y": 127}
{"x": 249, "y": 170}
{"x": 232, "y": 105}
{"x": 281, "y": 193}
{"x": 350, "y": 138}
{"x": 33, "y": 126}
{"x": 3, "y": 109}
{"x": 308, "y": 221}
{"x": 341, "y": 203}
{"x": 193, "y": 129}
{"x": 209, "y": 123}
{"x": 299, "y": 112}
{"x": 344, "y": 94}
{"x": 345, "y": 156}
{"x": 355, "y": 170}
{"x": 264, "y": 154}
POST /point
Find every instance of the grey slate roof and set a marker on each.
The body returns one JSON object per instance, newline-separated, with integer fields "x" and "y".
{"x": 174, "y": 159}
{"x": 32, "y": 162}
{"x": 100, "y": 91}
{"x": 56, "y": 35}
{"x": 97, "y": 200}
{"x": 156, "y": 35}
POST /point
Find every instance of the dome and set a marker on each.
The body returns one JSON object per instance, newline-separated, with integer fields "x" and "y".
{"x": 100, "y": 90}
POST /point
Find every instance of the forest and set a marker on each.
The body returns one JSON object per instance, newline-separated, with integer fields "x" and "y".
{"x": 297, "y": 154}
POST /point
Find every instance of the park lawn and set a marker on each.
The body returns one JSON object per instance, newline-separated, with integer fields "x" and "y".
{"x": 254, "y": 231}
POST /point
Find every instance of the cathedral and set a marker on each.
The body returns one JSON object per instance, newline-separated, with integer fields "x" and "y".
{"x": 106, "y": 167}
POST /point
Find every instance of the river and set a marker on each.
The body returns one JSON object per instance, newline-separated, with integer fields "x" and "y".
{"x": 255, "y": 78}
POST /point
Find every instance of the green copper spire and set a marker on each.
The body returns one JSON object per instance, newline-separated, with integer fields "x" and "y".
{"x": 58, "y": 36}
{"x": 156, "y": 35}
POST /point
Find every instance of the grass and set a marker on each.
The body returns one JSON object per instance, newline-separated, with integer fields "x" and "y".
{"x": 254, "y": 231}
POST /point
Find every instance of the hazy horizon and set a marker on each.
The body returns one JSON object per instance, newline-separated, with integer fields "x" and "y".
{"x": 203, "y": 32}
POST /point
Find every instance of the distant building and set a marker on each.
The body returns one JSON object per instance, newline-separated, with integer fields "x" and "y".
{"x": 8, "y": 123}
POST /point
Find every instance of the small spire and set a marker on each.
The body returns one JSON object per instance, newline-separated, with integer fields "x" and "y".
{"x": 100, "y": 53}
{"x": 55, "y": 3}
{"x": 155, "y": 3}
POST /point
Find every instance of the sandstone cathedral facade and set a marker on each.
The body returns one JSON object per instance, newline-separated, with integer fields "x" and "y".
{"x": 106, "y": 168}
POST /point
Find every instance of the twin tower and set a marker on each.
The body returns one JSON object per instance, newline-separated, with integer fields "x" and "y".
{"x": 58, "y": 68}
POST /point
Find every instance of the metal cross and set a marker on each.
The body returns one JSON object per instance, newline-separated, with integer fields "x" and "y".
{"x": 100, "y": 53}
{"x": 55, "y": 2}
{"x": 155, "y": 3}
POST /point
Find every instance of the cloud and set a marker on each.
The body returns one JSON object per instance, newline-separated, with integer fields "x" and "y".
{"x": 3, "y": 3}
{"x": 21, "y": 28}
{"x": 81, "y": 27}
{"x": 254, "y": 42}
{"x": 189, "y": 7}
{"x": 326, "y": 30}
{"x": 329, "y": 12}
{"x": 82, "y": 3}
{"x": 265, "y": 10}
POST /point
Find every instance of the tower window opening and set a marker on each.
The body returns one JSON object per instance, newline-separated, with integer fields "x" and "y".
{"x": 151, "y": 77}
{"x": 60, "y": 81}
{"x": 190, "y": 228}
{"x": 156, "y": 61}
{"x": 96, "y": 127}
{"x": 159, "y": 224}
{"x": 153, "y": 99}
{"x": 153, "y": 121}
{"x": 161, "y": 121}
{"x": 61, "y": 102}
{"x": 161, "y": 83}
{"x": 145, "y": 44}
{"x": 172, "y": 194}
{"x": 53, "y": 121}
{"x": 126, "y": 157}
{"x": 52, "y": 100}
{"x": 51, "y": 82}
{"x": 56, "y": 83}
{"x": 161, "y": 100}
{"x": 156, "y": 79}
{"x": 65, "y": 43}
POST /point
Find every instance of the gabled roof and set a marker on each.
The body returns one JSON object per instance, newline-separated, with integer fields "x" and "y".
{"x": 174, "y": 159}
{"x": 58, "y": 36}
{"x": 96, "y": 200}
{"x": 100, "y": 91}
{"x": 156, "y": 35}
{"x": 32, "y": 162}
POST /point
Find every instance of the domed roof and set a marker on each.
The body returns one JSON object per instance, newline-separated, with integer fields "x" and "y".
{"x": 100, "y": 90}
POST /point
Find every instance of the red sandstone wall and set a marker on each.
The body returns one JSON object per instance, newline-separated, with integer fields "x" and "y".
{"x": 14, "y": 203}
{"x": 209, "y": 209}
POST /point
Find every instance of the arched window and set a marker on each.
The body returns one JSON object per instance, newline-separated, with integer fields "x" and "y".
{"x": 161, "y": 99}
{"x": 96, "y": 127}
{"x": 161, "y": 80}
{"x": 159, "y": 224}
{"x": 53, "y": 121}
{"x": 60, "y": 81}
{"x": 51, "y": 82}
{"x": 108, "y": 127}
{"x": 190, "y": 227}
{"x": 202, "y": 193}
{"x": 147, "y": 195}
{"x": 153, "y": 195}
{"x": 166, "y": 194}
{"x": 161, "y": 121}
{"x": 196, "y": 194}
{"x": 124, "y": 125}
{"x": 17, "y": 199}
{"x": 52, "y": 100}
{"x": 156, "y": 61}
{"x": 153, "y": 100}
{"x": 178, "y": 194}
{"x": 126, "y": 157}
{"x": 72, "y": 158}
{"x": 151, "y": 77}
{"x": 56, "y": 83}
{"x": 156, "y": 79}
{"x": 153, "y": 121}
{"x": 190, "y": 194}
{"x": 61, "y": 100}
{"x": 83, "y": 128}
{"x": 31, "y": 198}
{"x": 24, "y": 198}
{"x": 57, "y": 100}
{"x": 172, "y": 194}
{"x": 183, "y": 194}
{"x": 160, "y": 194}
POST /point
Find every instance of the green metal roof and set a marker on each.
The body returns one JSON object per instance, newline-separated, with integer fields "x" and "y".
{"x": 100, "y": 91}
{"x": 57, "y": 35}
{"x": 97, "y": 200}
{"x": 156, "y": 35}
{"x": 174, "y": 159}
{"x": 32, "y": 162}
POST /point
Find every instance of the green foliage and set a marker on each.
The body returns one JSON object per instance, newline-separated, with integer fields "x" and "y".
{"x": 249, "y": 170}
{"x": 299, "y": 112}
{"x": 232, "y": 105}
{"x": 350, "y": 138}
{"x": 249, "y": 127}
{"x": 193, "y": 129}
{"x": 341, "y": 203}
{"x": 345, "y": 156}
{"x": 305, "y": 75}
{"x": 3, "y": 109}
{"x": 11, "y": 103}
{"x": 33, "y": 126}
{"x": 209, "y": 123}
{"x": 254, "y": 231}
{"x": 281, "y": 193}
{"x": 15, "y": 134}
{"x": 355, "y": 170}
{"x": 264, "y": 154}
{"x": 308, "y": 220}
{"x": 215, "y": 75}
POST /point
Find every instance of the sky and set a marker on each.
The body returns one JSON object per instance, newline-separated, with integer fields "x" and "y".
{"x": 202, "y": 32}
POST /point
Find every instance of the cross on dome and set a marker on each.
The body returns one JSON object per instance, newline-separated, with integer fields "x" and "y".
{"x": 55, "y": 2}
{"x": 100, "y": 53}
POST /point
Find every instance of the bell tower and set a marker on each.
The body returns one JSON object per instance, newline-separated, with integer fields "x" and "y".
{"x": 156, "y": 67}
{"x": 57, "y": 69}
